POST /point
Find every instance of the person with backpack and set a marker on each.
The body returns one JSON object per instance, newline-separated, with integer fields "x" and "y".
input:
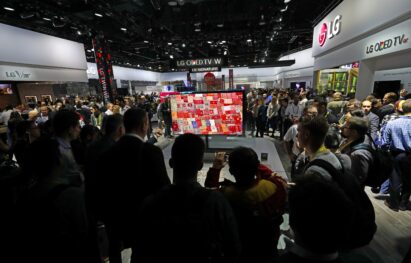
{"x": 258, "y": 199}
{"x": 323, "y": 163}
{"x": 321, "y": 236}
{"x": 186, "y": 222}
{"x": 358, "y": 146}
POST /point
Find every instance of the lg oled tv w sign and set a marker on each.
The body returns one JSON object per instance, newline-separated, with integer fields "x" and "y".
{"x": 200, "y": 62}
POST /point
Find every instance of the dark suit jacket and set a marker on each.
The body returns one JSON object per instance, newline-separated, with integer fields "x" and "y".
{"x": 386, "y": 110}
{"x": 130, "y": 171}
{"x": 374, "y": 124}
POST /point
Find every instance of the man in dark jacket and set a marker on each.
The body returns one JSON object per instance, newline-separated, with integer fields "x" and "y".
{"x": 130, "y": 171}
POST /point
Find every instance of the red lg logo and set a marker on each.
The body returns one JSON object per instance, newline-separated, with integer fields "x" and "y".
{"x": 329, "y": 30}
{"x": 323, "y": 35}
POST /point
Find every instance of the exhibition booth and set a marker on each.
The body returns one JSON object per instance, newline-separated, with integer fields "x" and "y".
{"x": 36, "y": 67}
{"x": 359, "y": 39}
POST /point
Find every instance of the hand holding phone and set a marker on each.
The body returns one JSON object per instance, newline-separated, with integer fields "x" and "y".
{"x": 220, "y": 160}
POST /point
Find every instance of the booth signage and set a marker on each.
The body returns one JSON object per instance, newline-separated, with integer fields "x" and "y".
{"x": 329, "y": 30}
{"x": 17, "y": 74}
{"x": 200, "y": 62}
{"x": 204, "y": 69}
{"x": 209, "y": 78}
{"x": 358, "y": 20}
{"x": 387, "y": 44}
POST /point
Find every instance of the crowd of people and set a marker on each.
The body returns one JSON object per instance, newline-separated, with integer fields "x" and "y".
{"x": 81, "y": 165}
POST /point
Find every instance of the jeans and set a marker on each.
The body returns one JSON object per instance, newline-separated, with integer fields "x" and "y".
{"x": 400, "y": 189}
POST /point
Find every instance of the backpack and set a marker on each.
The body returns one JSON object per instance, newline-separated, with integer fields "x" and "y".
{"x": 382, "y": 165}
{"x": 364, "y": 227}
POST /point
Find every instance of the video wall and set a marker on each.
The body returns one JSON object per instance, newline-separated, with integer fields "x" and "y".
{"x": 211, "y": 113}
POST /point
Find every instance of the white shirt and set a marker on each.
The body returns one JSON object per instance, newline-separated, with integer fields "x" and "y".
{"x": 291, "y": 135}
{"x": 137, "y": 136}
{"x": 293, "y": 111}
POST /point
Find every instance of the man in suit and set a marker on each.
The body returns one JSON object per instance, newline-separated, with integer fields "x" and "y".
{"x": 373, "y": 119}
{"x": 130, "y": 171}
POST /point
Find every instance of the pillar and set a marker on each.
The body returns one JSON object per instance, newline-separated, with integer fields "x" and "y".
{"x": 365, "y": 85}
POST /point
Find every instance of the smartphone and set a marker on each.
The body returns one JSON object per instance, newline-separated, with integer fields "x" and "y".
{"x": 264, "y": 156}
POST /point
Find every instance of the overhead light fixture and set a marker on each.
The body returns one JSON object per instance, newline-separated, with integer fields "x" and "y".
{"x": 8, "y": 8}
{"x": 146, "y": 41}
{"x": 285, "y": 9}
{"x": 209, "y": 42}
{"x": 169, "y": 43}
{"x": 197, "y": 29}
{"x": 223, "y": 42}
{"x": 97, "y": 14}
{"x": 123, "y": 29}
{"x": 249, "y": 40}
{"x": 293, "y": 38}
{"x": 46, "y": 18}
{"x": 172, "y": 3}
{"x": 79, "y": 32}
{"x": 287, "y": 1}
{"x": 183, "y": 45}
{"x": 171, "y": 56}
{"x": 220, "y": 25}
{"x": 138, "y": 65}
{"x": 225, "y": 52}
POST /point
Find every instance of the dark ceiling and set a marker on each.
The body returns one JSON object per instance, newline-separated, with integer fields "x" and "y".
{"x": 151, "y": 34}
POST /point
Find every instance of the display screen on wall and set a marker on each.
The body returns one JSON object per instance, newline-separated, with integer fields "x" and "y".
{"x": 296, "y": 86}
{"x": 5, "y": 89}
{"x": 208, "y": 113}
{"x": 382, "y": 87}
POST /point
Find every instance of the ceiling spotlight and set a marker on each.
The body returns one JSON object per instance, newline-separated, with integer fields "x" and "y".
{"x": 123, "y": 29}
{"x": 171, "y": 56}
{"x": 169, "y": 43}
{"x": 287, "y": 1}
{"x": 209, "y": 42}
{"x": 225, "y": 52}
{"x": 26, "y": 15}
{"x": 8, "y": 8}
{"x": 183, "y": 45}
{"x": 249, "y": 40}
{"x": 197, "y": 29}
{"x": 146, "y": 41}
{"x": 285, "y": 9}
{"x": 263, "y": 60}
{"x": 172, "y": 3}
{"x": 220, "y": 25}
{"x": 223, "y": 42}
{"x": 138, "y": 65}
{"x": 97, "y": 14}
{"x": 79, "y": 32}
{"x": 46, "y": 18}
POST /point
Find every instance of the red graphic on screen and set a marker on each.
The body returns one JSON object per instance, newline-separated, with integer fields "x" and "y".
{"x": 208, "y": 113}
{"x": 323, "y": 34}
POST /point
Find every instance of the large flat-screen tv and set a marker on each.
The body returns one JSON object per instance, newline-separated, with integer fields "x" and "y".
{"x": 382, "y": 87}
{"x": 296, "y": 86}
{"x": 208, "y": 113}
{"x": 5, "y": 89}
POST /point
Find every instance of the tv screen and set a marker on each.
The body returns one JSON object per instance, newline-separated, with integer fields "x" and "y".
{"x": 382, "y": 87}
{"x": 208, "y": 113}
{"x": 296, "y": 86}
{"x": 5, "y": 89}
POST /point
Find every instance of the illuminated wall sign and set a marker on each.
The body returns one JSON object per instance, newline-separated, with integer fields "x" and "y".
{"x": 329, "y": 30}
{"x": 200, "y": 62}
{"x": 387, "y": 44}
{"x": 17, "y": 75}
{"x": 204, "y": 69}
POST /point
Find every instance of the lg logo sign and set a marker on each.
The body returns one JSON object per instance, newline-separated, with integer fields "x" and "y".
{"x": 329, "y": 30}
